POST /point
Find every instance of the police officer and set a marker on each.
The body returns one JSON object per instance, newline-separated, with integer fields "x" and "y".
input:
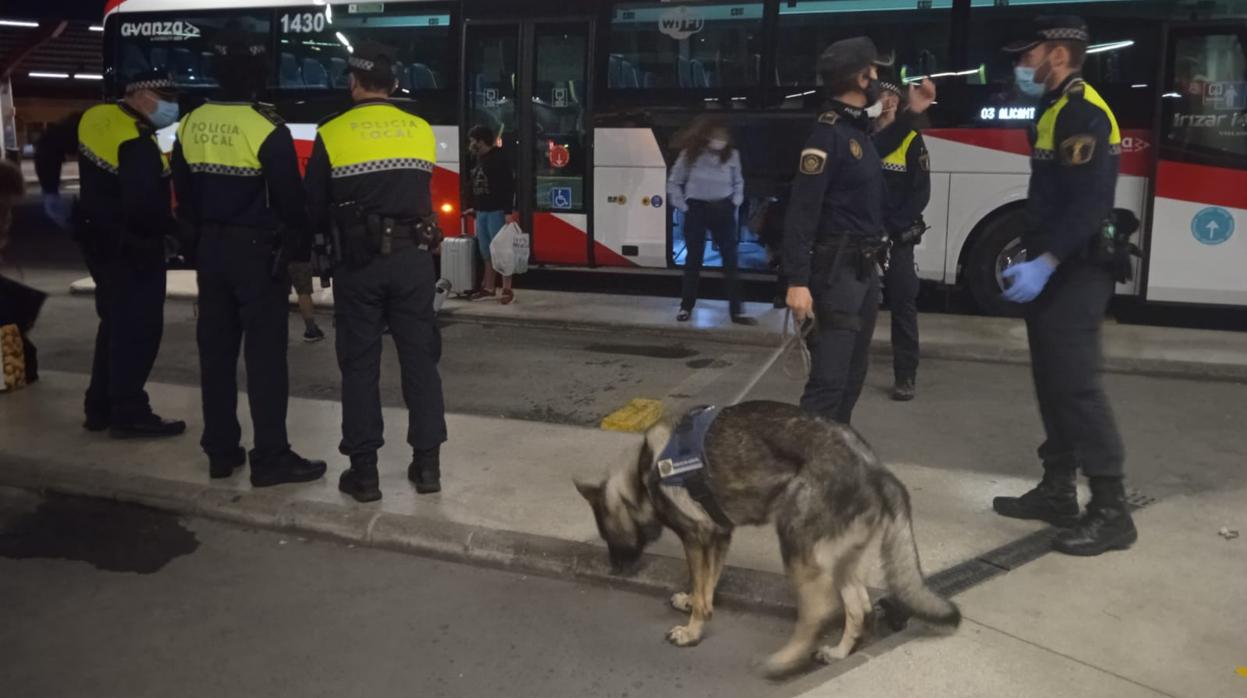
{"x": 124, "y": 216}
{"x": 907, "y": 178}
{"x": 1066, "y": 286}
{"x": 834, "y": 228}
{"x": 368, "y": 182}
{"x": 237, "y": 181}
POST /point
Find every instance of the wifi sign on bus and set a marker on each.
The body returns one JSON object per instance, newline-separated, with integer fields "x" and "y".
{"x": 680, "y": 23}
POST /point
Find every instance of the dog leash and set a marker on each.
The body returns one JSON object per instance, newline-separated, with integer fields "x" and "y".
{"x": 793, "y": 333}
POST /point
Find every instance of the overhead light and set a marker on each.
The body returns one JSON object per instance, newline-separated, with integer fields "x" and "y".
{"x": 329, "y": 13}
{"x": 1111, "y": 46}
{"x": 17, "y": 23}
{"x": 52, "y": 76}
{"x": 1172, "y": 95}
{"x": 1139, "y": 85}
{"x": 88, "y": 76}
{"x": 96, "y": 28}
{"x": 345, "y": 43}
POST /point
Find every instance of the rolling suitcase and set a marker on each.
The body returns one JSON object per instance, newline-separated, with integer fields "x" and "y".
{"x": 459, "y": 264}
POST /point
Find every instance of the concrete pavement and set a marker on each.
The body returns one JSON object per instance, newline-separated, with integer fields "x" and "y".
{"x": 1163, "y": 351}
{"x": 507, "y": 499}
{"x": 1167, "y": 618}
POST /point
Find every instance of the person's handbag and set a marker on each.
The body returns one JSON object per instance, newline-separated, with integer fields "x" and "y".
{"x": 12, "y": 359}
{"x": 509, "y": 250}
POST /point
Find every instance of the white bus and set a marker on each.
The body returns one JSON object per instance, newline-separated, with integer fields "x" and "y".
{"x": 587, "y": 95}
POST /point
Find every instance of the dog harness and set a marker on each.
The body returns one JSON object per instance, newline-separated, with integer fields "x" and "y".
{"x": 682, "y": 462}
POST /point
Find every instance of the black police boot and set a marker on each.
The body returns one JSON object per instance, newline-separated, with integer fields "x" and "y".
{"x": 223, "y": 465}
{"x": 151, "y": 426}
{"x": 361, "y": 480}
{"x": 286, "y": 467}
{"x": 425, "y": 471}
{"x": 1054, "y": 500}
{"x": 904, "y": 389}
{"x": 1106, "y": 525}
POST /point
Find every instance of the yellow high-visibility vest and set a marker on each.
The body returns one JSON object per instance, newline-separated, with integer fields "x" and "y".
{"x": 375, "y": 138}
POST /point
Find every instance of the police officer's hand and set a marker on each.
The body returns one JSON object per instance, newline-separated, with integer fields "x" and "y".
{"x": 57, "y": 209}
{"x": 1028, "y": 278}
{"x": 800, "y": 302}
{"x": 921, "y": 96}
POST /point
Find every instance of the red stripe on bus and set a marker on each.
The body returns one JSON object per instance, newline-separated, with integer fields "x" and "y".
{"x": 1135, "y": 158}
{"x": 1202, "y": 184}
{"x": 112, "y": 5}
{"x": 555, "y": 241}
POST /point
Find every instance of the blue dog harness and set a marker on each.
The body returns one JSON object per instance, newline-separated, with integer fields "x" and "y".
{"x": 682, "y": 462}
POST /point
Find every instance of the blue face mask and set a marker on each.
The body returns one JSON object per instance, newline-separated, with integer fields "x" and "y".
{"x": 166, "y": 113}
{"x": 1024, "y": 78}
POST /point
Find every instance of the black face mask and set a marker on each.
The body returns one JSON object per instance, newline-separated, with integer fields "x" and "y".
{"x": 872, "y": 91}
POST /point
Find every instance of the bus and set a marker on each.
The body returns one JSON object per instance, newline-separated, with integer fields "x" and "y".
{"x": 586, "y": 97}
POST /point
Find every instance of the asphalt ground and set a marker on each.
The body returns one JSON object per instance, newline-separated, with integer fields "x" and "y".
{"x": 104, "y": 599}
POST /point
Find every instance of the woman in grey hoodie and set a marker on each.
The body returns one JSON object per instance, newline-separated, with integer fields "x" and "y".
{"x": 706, "y": 184}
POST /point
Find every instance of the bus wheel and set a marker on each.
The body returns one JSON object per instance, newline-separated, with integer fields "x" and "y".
{"x": 997, "y": 248}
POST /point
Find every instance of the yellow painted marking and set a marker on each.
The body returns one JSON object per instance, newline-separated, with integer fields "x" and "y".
{"x": 1242, "y": 671}
{"x": 635, "y": 417}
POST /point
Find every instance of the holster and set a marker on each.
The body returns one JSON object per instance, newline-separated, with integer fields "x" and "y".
{"x": 911, "y": 235}
{"x": 1111, "y": 246}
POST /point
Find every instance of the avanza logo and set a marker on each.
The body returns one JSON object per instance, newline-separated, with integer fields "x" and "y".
{"x": 161, "y": 30}
{"x": 1133, "y": 144}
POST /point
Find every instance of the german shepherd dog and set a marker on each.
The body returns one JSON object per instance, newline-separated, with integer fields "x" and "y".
{"x": 828, "y": 496}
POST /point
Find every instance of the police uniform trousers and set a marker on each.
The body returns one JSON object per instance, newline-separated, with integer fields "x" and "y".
{"x": 1063, "y": 327}
{"x": 394, "y": 290}
{"x": 901, "y": 281}
{"x": 846, "y": 303}
{"x": 242, "y": 305}
{"x": 130, "y": 301}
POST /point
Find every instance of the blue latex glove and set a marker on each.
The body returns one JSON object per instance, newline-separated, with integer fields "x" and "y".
{"x": 1028, "y": 279}
{"x": 57, "y": 209}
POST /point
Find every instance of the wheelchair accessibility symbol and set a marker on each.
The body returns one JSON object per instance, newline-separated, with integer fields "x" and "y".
{"x": 560, "y": 197}
{"x": 1212, "y": 226}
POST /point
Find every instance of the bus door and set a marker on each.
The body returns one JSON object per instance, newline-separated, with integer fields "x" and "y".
{"x": 527, "y": 80}
{"x": 1197, "y": 244}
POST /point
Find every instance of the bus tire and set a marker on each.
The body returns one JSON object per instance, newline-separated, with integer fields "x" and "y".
{"x": 995, "y": 249}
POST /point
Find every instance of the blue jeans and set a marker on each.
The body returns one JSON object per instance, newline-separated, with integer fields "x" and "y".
{"x": 488, "y": 223}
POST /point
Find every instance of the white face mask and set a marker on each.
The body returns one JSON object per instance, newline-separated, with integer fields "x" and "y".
{"x": 716, "y": 144}
{"x": 874, "y": 110}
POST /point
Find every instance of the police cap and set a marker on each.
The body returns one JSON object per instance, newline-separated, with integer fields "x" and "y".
{"x": 888, "y": 81}
{"x": 157, "y": 81}
{"x": 235, "y": 43}
{"x": 848, "y": 56}
{"x": 372, "y": 60}
{"x": 1051, "y": 28}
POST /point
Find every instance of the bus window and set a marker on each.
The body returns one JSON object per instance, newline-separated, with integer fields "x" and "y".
{"x": 1122, "y": 60}
{"x": 1205, "y": 107}
{"x": 662, "y": 45}
{"x": 314, "y": 43}
{"x": 915, "y": 32}
{"x": 179, "y": 42}
{"x": 559, "y": 117}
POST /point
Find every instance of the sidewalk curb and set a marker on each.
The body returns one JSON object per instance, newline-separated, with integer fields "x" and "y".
{"x": 368, "y": 526}
{"x": 979, "y": 353}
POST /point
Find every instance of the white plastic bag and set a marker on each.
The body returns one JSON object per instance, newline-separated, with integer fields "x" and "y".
{"x": 509, "y": 250}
